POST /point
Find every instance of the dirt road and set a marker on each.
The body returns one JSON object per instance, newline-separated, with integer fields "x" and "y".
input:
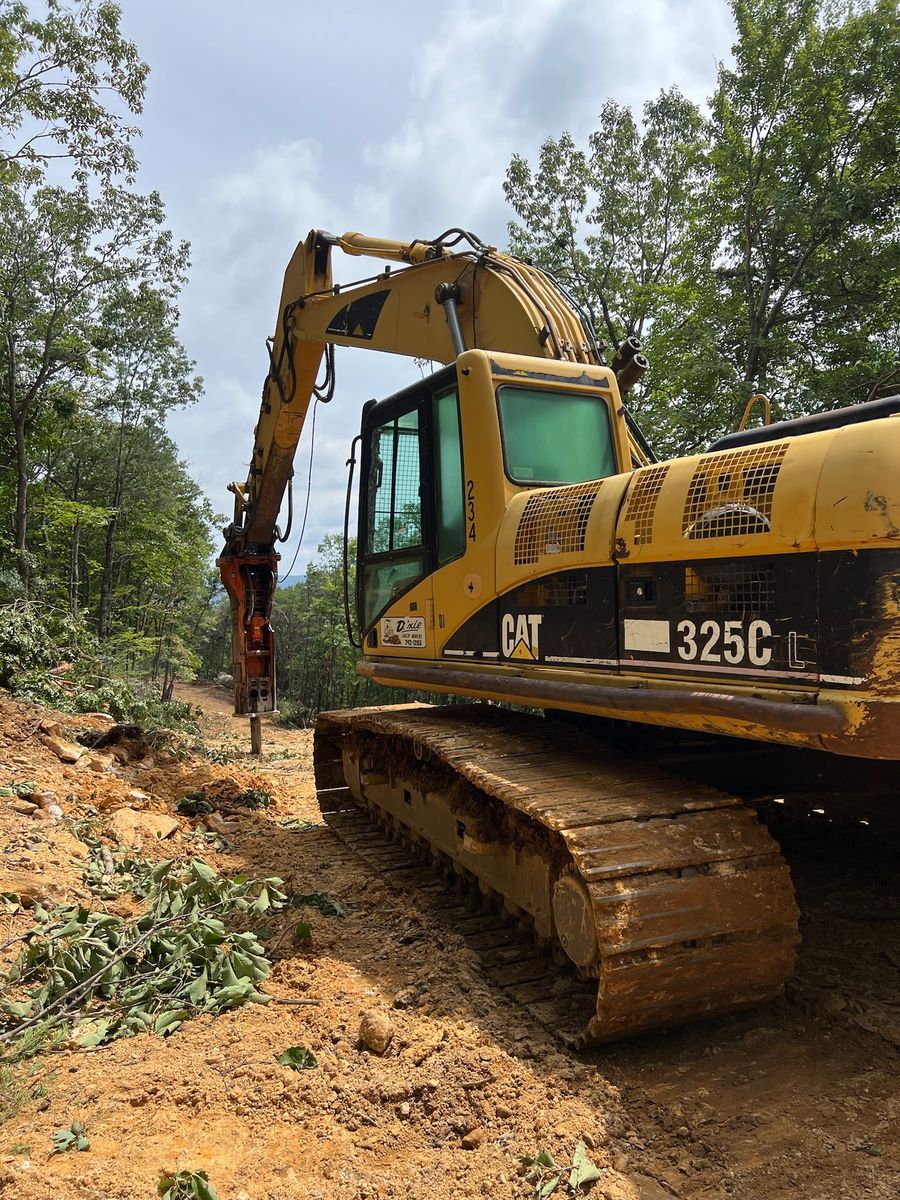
{"x": 799, "y": 1099}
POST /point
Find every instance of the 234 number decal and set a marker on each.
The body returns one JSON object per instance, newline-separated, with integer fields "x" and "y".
{"x": 731, "y": 642}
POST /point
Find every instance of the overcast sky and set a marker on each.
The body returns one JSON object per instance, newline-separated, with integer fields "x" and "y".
{"x": 395, "y": 118}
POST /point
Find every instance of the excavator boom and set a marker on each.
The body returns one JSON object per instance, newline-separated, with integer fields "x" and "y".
{"x": 442, "y": 302}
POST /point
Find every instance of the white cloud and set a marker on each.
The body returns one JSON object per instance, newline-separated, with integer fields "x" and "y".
{"x": 402, "y": 131}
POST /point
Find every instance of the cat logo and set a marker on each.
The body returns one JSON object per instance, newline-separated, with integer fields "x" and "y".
{"x": 519, "y": 636}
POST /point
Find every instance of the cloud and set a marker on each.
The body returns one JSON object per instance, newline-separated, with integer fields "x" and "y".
{"x": 403, "y": 131}
{"x": 252, "y": 219}
{"x": 488, "y": 84}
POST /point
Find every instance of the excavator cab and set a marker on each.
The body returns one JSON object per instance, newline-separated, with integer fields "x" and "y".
{"x": 441, "y": 463}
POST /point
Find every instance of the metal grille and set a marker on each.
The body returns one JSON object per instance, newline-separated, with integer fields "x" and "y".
{"x": 559, "y": 591}
{"x": 554, "y": 522}
{"x": 395, "y": 502}
{"x": 407, "y": 501}
{"x": 732, "y": 587}
{"x": 642, "y": 502}
{"x": 730, "y": 495}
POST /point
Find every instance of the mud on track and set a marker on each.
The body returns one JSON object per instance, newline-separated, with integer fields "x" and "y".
{"x": 801, "y": 1098}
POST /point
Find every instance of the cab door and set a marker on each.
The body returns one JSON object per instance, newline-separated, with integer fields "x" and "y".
{"x": 410, "y": 512}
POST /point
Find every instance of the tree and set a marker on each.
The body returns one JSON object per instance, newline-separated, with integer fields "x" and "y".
{"x": 620, "y": 225}
{"x": 64, "y": 257}
{"x": 59, "y": 78}
{"x": 101, "y": 515}
{"x": 146, "y": 373}
{"x": 807, "y": 188}
{"x": 757, "y": 251}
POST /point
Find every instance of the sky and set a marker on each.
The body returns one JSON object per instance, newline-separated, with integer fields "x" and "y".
{"x": 396, "y": 119}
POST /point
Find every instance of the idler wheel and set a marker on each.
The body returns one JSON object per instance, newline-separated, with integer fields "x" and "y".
{"x": 573, "y": 915}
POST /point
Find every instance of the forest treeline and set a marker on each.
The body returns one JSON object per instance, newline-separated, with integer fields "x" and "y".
{"x": 752, "y": 245}
{"x": 106, "y": 540}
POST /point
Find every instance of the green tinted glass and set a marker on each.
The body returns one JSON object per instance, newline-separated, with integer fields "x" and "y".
{"x": 451, "y": 521}
{"x": 555, "y": 437}
{"x": 395, "y": 504}
{"x": 384, "y": 580}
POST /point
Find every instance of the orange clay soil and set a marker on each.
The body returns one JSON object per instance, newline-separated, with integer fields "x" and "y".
{"x": 801, "y": 1098}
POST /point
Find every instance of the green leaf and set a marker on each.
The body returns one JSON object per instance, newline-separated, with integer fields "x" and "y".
{"x": 17, "y": 1008}
{"x": 203, "y": 1189}
{"x": 203, "y": 871}
{"x": 298, "y": 1058}
{"x": 199, "y": 987}
{"x": 583, "y": 1170}
{"x": 303, "y": 931}
{"x": 62, "y": 1140}
{"x": 186, "y": 1185}
{"x": 167, "y": 1022}
{"x": 233, "y": 993}
{"x": 73, "y": 1138}
{"x": 94, "y": 1033}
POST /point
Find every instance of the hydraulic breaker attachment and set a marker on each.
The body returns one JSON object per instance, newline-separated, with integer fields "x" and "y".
{"x": 250, "y": 581}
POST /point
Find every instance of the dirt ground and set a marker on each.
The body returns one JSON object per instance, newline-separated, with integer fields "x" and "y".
{"x": 798, "y": 1099}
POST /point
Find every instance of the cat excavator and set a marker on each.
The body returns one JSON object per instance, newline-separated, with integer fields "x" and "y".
{"x": 518, "y": 545}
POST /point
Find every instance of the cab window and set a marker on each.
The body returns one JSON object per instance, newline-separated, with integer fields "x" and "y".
{"x": 448, "y": 478}
{"x": 555, "y": 437}
{"x": 394, "y": 554}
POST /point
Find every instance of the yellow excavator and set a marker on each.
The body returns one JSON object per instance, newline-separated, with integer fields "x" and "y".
{"x": 518, "y": 545}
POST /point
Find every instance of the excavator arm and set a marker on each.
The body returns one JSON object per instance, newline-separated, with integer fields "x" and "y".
{"x": 442, "y": 301}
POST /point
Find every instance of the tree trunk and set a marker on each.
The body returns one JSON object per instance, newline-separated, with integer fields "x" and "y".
{"x": 75, "y": 547}
{"x": 21, "y": 515}
{"x": 106, "y": 577}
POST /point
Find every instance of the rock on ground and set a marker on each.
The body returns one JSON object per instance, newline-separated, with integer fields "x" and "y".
{"x": 375, "y": 1030}
{"x": 131, "y": 828}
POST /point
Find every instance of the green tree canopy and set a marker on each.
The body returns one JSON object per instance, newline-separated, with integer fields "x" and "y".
{"x": 68, "y": 82}
{"x": 806, "y": 169}
{"x": 757, "y": 249}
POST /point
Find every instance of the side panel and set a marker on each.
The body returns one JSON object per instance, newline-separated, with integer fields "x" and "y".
{"x": 748, "y": 617}
{"x": 750, "y": 620}
{"x": 566, "y": 619}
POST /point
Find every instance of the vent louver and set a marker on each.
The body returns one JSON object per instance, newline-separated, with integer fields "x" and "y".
{"x": 642, "y": 500}
{"x": 730, "y": 495}
{"x": 554, "y": 522}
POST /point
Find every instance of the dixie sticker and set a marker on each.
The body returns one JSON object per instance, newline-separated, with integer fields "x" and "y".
{"x": 403, "y": 631}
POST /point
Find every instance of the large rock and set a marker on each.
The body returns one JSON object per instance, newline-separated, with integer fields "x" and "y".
{"x": 24, "y": 808}
{"x": 101, "y": 763}
{"x": 375, "y": 1030}
{"x": 67, "y": 752}
{"x": 30, "y": 889}
{"x": 132, "y": 828}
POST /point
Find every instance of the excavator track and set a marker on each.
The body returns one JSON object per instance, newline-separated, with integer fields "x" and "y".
{"x": 530, "y": 975}
{"x": 670, "y": 894}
